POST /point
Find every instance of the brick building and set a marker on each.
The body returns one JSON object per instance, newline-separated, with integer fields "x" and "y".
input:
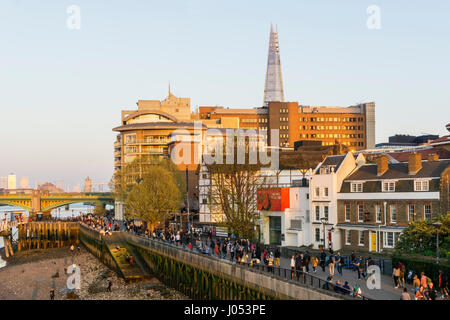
{"x": 377, "y": 201}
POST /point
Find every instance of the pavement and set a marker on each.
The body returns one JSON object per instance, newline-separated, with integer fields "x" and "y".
{"x": 387, "y": 291}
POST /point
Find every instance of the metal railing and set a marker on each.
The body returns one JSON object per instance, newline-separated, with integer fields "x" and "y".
{"x": 298, "y": 276}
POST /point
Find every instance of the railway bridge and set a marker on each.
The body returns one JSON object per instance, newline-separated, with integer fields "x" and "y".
{"x": 36, "y": 202}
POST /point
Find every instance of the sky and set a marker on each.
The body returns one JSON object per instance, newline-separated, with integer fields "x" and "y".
{"x": 62, "y": 89}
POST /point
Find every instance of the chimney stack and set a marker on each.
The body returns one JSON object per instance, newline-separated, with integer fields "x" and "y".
{"x": 433, "y": 157}
{"x": 382, "y": 164}
{"x": 414, "y": 163}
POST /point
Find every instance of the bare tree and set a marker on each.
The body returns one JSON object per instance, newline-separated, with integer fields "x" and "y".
{"x": 233, "y": 196}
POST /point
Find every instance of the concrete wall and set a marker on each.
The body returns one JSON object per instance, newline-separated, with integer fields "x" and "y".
{"x": 282, "y": 289}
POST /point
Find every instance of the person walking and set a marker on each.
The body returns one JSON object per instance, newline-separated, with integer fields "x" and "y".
{"x": 293, "y": 267}
{"x": 396, "y": 276}
{"x": 331, "y": 264}
{"x": 307, "y": 259}
{"x": 423, "y": 281}
{"x": 323, "y": 257}
{"x": 314, "y": 262}
{"x": 402, "y": 269}
{"x": 442, "y": 284}
{"x": 420, "y": 294}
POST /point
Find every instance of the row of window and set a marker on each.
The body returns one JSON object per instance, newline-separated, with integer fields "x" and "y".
{"x": 411, "y": 212}
{"x": 332, "y": 119}
{"x": 388, "y": 238}
{"x": 332, "y": 128}
{"x": 389, "y": 186}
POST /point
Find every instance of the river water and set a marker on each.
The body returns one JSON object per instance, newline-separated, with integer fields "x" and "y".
{"x": 75, "y": 210}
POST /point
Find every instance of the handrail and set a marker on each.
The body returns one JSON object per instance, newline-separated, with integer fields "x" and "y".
{"x": 281, "y": 273}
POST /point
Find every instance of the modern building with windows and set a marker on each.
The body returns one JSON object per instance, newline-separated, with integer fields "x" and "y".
{"x": 378, "y": 200}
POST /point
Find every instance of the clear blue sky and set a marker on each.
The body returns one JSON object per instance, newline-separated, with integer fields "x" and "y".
{"x": 61, "y": 90}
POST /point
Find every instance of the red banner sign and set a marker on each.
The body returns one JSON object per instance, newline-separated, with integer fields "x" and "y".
{"x": 274, "y": 199}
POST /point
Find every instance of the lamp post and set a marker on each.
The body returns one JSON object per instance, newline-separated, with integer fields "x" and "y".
{"x": 437, "y": 225}
{"x": 331, "y": 243}
{"x": 324, "y": 221}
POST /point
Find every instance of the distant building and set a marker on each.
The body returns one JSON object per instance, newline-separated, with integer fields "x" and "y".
{"x": 68, "y": 188}
{"x": 24, "y": 183}
{"x": 50, "y": 187}
{"x": 12, "y": 181}
{"x": 77, "y": 188}
{"x": 87, "y": 185}
{"x": 403, "y": 140}
{"x": 3, "y": 182}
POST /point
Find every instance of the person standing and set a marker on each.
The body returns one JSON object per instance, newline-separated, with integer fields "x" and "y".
{"x": 277, "y": 257}
{"x": 108, "y": 289}
{"x": 307, "y": 259}
{"x": 339, "y": 262}
{"x": 52, "y": 294}
{"x": 405, "y": 295}
{"x": 323, "y": 257}
{"x": 442, "y": 284}
{"x": 293, "y": 267}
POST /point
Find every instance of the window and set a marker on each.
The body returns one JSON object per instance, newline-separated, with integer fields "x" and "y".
{"x": 347, "y": 212}
{"x": 361, "y": 238}
{"x": 389, "y": 239}
{"x": 360, "y": 213}
{"x": 326, "y": 192}
{"x": 205, "y": 201}
{"x": 205, "y": 176}
{"x": 388, "y": 186}
{"x": 356, "y": 187}
{"x": 325, "y": 211}
{"x": 411, "y": 212}
{"x": 317, "y": 192}
{"x": 393, "y": 211}
{"x": 348, "y": 237}
{"x": 317, "y": 213}
{"x": 421, "y": 185}
{"x": 317, "y": 235}
{"x": 130, "y": 138}
{"x": 378, "y": 212}
{"x": 427, "y": 211}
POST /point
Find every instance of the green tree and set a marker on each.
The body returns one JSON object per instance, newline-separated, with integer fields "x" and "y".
{"x": 155, "y": 198}
{"x": 132, "y": 173}
{"x": 420, "y": 236}
{"x": 99, "y": 210}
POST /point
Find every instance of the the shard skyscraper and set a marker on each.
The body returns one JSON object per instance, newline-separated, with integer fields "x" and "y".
{"x": 273, "y": 88}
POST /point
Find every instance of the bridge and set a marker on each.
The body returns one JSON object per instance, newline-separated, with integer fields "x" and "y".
{"x": 44, "y": 202}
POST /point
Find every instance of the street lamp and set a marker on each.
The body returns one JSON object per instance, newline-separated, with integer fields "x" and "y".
{"x": 437, "y": 225}
{"x": 331, "y": 242}
{"x": 324, "y": 221}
